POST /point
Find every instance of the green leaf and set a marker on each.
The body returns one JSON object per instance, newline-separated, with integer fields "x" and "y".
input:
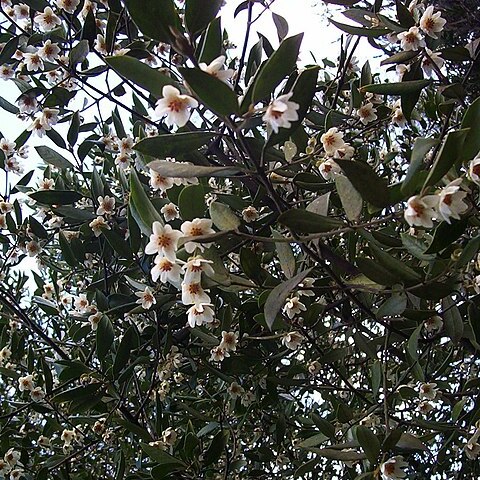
{"x": 303, "y": 221}
{"x": 215, "y": 94}
{"x": 223, "y": 217}
{"x": 104, "y": 337}
{"x": 277, "y": 297}
{"x": 445, "y": 234}
{"x": 304, "y": 90}
{"x": 77, "y": 393}
{"x": 369, "y": 443}
{"x": 281, "y": 25}
{"x": 79, "y": 53}
{"x": 174, "y": 144}
{"x": 191, "y": 202}
{"x": 351, "y": 200}
{"x": 56, "y": 197}
{"x": 199, "y": 13}
{"x": 67, "y": 252}
{"x": 362, "y": 32}
{"x": 212, "y": 43}
{"x": 285, "y": 255}
{"x": 9, "y": 49}
{"x": 276, "y": 68}
{"x": 369, "y": 185}
{"x": 118, "y": 243}
{"x": 449, "y": 153}
{"x": 453, "y": 320}
{"x": 396, "y": 88}
{"x": 471, "y": 120}
{"x": 72, "y": 134}
{"x": 140, "y": 74}
{"x": 141, "y": 207}
{"x": 127, "y": 344}
{"x": 395, "y": 305}
{"x": 160, "y": 456}
{"x": 412, "y": 353}
{"x": 401, "y": 57}
{"x": 403, "y": 14}
{"x": 186, "y": 170}
{"x": 420, "y": 148}
{"x": 52, "y": 157}
{"x": 313, "y": 441}
{"x": 216, "y": 448}
{"x": 155, "y": 19}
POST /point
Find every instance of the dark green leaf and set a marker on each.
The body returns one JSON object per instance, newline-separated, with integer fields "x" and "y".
{"x": 191, "y": 202}
{"x": 79, "y": 52}
{"x": 362, "y": 32}
{"x": 396, "y": 88}
{"x": 445, "y": 234}
{"x": 223, "y": 217}
{"x": 72, "y": 134}
{"x": 185, "y": 170}
{"x": 56, "y": 197}
{"x": 199, "y": 13}
{"x": 9, "y": 49}
{"x": 369, "y": 443}
{"x": 216, "y": 448}
{"x": 308, "y": 222}
{"x": 453, "y": 320}
{"x": 53, "y": 157}
{"x": 67, "y": 252}
{"x": 127, "y": 344}
{"x": 118, "y": 243}
{"x": 281, "y": 25}
{"x": 471, "y": 120}
{"x": 104, "y": 337}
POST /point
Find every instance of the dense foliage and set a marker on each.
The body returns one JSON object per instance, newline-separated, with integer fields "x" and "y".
{"x": 246, "y": 269}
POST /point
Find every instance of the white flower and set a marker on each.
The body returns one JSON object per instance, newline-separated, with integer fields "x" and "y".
{"x": 170, "y": 212}
{"x": 329, "y": 168}
{"x": 37, "y": 127}
{"x": 169, "y": 436}
{"x": 428, "y": 391}
{"x": 37, "y": 394}
{"x": 250, "y": 214}
{"x": 194, "y": 294}
{"x": 94, "y": 319}
{"x": 97, "y": 225}
{"x": 12, "y": 165}
{"x": 392, "y": 469}
{"x": 367, "y": 113}
{"x": 49, "y": 51}
{"x": 472, "y": 450}
{"x": 7, "y": 148}
{"x": 5, "y": 354}
{"x": 43, "y": 441}
{"x": 46, "y": 184}
{"x": 421, "y": 210}
{"x": 21, "y": 11}
{"x": 200, "y": 314}
{"x": 304, "y": 287}
{"x": 27, "y": 104}
{"x": 474, "y": 170}
{"x": 218, "y": 354}
{"x": 215, "y": 68}
{"x": 196, "y": 228}
{"x": 398, "y": 118}
{"x": 247, "y": 399}
{"x": 68, "y": 436}
{"x": 344, "y": 153}
{"x": 81, "y": 303}
{"x": 429, "y": 60}
{"x": 100, "y": 45}
{"x": 314, "y": 367}
{"x": 33, "y": 248}
{"x": 293, "y": 306}
{"x": 68, "y": 5}
{"x": 157, "y": 182}
{"x": 106, "y": 205}
{"x": 425, "y": 408}
{"x": 47, "y": 20}
{"x": 411, "y": 40}
{"x": 292, "y": 340}
{"x": 229, "y": 341}
{"x": 433, "y": 324}
{"x": 6, "y": 72}
{"x": 166, "y": 270}
{"x": 401, "y": 70}
{"x": 451, "y": 203}
{"x": 432, "y": 23}
{"x": 11, "y": 457}
{"x": 163, "y": 241}
{"x": 175, "y": 106}
{"x": 332, "y": 140}
{"x": 26, "y": 383}
{"x": 194, "y": 267}
{"x": 281, "y": 112}
{"x": 33, "y": 62}
{"x": 146, "y": 298}
{"x": 235, "y": 390}
{"x": 49, "y": 117}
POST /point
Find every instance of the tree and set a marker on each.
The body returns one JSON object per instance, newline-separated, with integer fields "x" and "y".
{"x": 246, "y": 269}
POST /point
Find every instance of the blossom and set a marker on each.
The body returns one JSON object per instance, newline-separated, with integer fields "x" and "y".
{"x": 229, "y": 341}
{"x": 106, "y": 205}
{"x": 81, "y": 303}
{"x": 281, "y": 112}
{"x": 195, "y": 266}
{"x": 332, "y": 140}
{"x": 215, "y": 68}
{"x": 146, "y": 298}
{"x": 196, "y": 228}
{"x": 344, "y": 153}
{"x": 163, "y": 241}
{"x": 200, "y": 314}
{"x": 175, "y": 106}
{"x": 68, "y": 5}
{"x": 367, "y": 113}
{"x": 100, "y": 45}
{"x": 451, "y": 203}
{"x": 250, "y": 214}
{"x": 401, "y": 69}
{"x": 235, "y": 390}
{"x": 218, "y": 354}
{"x": 329, "y": 168}
{"x": 68, "y": 436}
{"x": 49, "y": 51}
{"x": 432, "y": 23}
{"x": 170, "y": 212}
{"x": 98, "y": 224}
{"x": 169, "y": 436}
{"x": 11, "y": 457}
{"x": 49, "y": 117}
{"x": 21, "y": 11}
{"x": 472, "y": 450}
{"x": 6, "y": 72}
{"x": 47, "y": 20}
{"x": 411, "y": 40}
{"x": 428, "y": 391}
{"x": 37, "y": 127}
{"x": 421, "y": 210}
{"x": 292, "y": 340}
{"x": 37, "y": 394}
{"x": 7, "y": 148}
{"x": 46, "y": 184}
{"x": 398, "y": 118}
{"x": 425, "y": 407}
{"x": 166, "y": 270}
{"x": 158, "y": 182}
{"x": 474, "y": 170}
{"x": 33, "y": 62}
{"x": 433, "y": 324}
{"x": 429, "y": 60}
{"x": 122, "y": 160}
{"x": 392, "y": 469}
{"x": 94, "y": 320}
{"x": 293, "y": 306}
{"x": 33, "y": 248}
{"x": 26, "y": 383}
{"x": 27, "y": 104}
{"x": 194, "y": 294}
